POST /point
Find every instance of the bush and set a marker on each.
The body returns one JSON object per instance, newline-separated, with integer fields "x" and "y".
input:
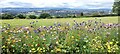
{"x": 81, "y": 14}
{"x": 6, "y": 16}
{"x": 45, "y": 15}
{"x": 21, "y": 16}
{"x": 32, "y": 16}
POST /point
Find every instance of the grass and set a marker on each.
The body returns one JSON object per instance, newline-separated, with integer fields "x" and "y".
{"x": 81, "y": 37}
{"x": 47, "y": 22}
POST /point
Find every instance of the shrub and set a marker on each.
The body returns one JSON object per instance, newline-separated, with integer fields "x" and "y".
{"x": 32, "y": 16}
{"x": 21, "y": 16}
{"x": 45, "y": 15}
{"x": 6, "y": 16}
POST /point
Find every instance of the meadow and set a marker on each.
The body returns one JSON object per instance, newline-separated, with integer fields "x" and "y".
{"x": 48, "y": 22}
{"x": 64, "y": 35}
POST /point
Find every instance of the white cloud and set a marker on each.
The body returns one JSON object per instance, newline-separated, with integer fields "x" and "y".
{"x": 58, "y": 3}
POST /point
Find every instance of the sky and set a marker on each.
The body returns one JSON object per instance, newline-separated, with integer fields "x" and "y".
{"x": 85, "y": 4}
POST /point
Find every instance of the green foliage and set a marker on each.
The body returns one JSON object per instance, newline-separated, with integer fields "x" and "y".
{"x": 81, "y": 14}
{"x": 45, "y": 15}
{"x": 21, "y": 16}
{"x": 6, "y": 16}
{"x": 32, "y": 16}
{"x": 116, "y": 7}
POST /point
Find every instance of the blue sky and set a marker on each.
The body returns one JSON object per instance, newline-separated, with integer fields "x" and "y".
{"x": 88, "y": 4}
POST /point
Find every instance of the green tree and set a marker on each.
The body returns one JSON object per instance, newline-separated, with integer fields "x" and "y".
{"x": 81, "y": 14}
{"x": 32, "y": 16}
{"x": 45, "y": 15}
{"x": 6, "y": 16}
{"x": 116, "y": 7}
{"x": 21, "y": 16}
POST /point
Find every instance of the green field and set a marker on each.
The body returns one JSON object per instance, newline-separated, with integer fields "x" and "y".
{"x": 47, "y": 22}
{"x": 92, "y": 35}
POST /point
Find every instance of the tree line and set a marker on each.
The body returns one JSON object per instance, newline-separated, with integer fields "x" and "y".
{"x": 41, "y": 16}
{"x": 22, "y": 16}
{"x": 48, "y": 16}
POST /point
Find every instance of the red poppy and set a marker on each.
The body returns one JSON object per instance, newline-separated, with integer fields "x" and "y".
{"x": 38, "y": 45}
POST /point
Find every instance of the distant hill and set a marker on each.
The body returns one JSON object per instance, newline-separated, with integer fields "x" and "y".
{"x": 52, "y": 11}
{"x": 36, "y": 9}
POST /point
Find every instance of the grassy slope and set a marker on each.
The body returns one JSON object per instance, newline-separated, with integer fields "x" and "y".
{"x": 47, "y": 22}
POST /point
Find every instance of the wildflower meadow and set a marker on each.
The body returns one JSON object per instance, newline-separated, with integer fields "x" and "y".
{"x": 85, "y": 37}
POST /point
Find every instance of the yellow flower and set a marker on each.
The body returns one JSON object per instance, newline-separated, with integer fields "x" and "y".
{"x": 8, "y": 42}
{"x": 52, "y": 51}
{"x": 26, "y": 36}
{"x": 99, "y": 46}
{"x": 58, "y": 49}
{"x": 56, "y": 42}
{"x": 86, "y": 27}
{"x": 72, "y": 36}
{"x": 14, "y": 41}
{"x": 30, "y": 51}
{"x": 33, "y": 49}
{"x": 117, "y": 42}
{"x": 84, "y": 46}
{"x": 44, "y": 39}
{"x": 8, "y": 39}
{"x": 43, "y": 50}
{"x": 96, "y": 48}
{"x": 38, "y": 48}
{"x": 32, "y": 45}
{"x": 109, "y": 51}
{"x": 12, "y": 45}
{"x": 3, "y": 46}
{"x": 36, "y": 44}
{"x": 111, "y": 42}
{"x": 117, "y": 48}
{"x": 108, "y": 46}
{"x": 19, "y": 40}
{"x": 66, "y": 27}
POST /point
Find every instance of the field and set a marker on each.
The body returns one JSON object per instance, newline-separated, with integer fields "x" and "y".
{"x": 64, "y": 35}
{"x": 48, "y": 22}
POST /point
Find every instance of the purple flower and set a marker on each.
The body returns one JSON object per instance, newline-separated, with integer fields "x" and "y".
{"x": 96, "y": 22}
{"x": 77, "y": 24}
{"x": 89, "y": 20}
{"x": 59, "y": 24}
{"x": 2, "y": 30}
{"x": 44, "y": 27}
{"x": 50, "y": 26}
{"x": 35, "y": 31}
{"x": 68, "y": 24}
{"x": 8, "y": 24}
{"x": 39, "y": 29}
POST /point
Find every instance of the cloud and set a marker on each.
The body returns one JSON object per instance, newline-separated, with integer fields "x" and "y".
{"x": 57, "y": 3}
{"x": 21, "y": 4}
